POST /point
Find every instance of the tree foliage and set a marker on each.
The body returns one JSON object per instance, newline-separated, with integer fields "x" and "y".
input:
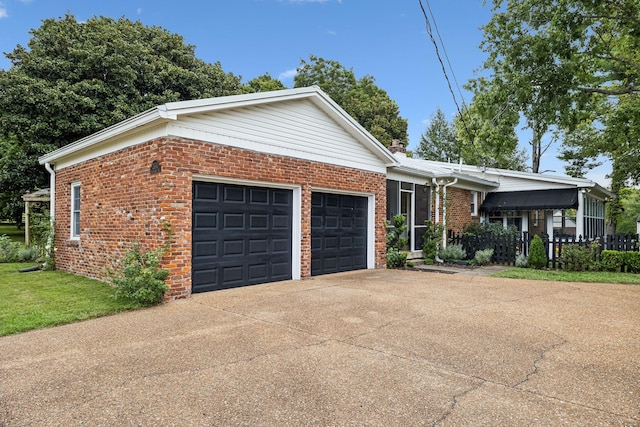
{"x": 263, "y": 83}
{"x": 572, "y": 66}
{"x": 439, "y": 142}
{"x": 368, "y": 104}
{"x": 75, "y": 78}
{"x": 486, "y": 131}
{"x": 630, "y": 201}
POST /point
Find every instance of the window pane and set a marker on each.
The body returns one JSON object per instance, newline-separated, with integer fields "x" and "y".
{"x": 393, "y": 198}
{"x": 423, "y": 206}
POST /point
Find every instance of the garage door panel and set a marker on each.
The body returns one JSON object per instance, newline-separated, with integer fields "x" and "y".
{"x": 239, "y": 237}
{"x": 338, "y": 233}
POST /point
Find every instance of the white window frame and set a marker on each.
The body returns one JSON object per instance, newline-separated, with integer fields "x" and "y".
{"x": 474, "y": 203}
{"x": 74, "y": 234}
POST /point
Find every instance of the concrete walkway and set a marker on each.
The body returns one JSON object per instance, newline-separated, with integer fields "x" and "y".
{"x": 377, "y": 347}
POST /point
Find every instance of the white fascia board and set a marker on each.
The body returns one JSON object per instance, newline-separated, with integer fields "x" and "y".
{"x": 110, "y": 132}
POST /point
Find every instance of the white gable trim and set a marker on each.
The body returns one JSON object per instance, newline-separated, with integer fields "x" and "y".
{"x": 171, "y": 112}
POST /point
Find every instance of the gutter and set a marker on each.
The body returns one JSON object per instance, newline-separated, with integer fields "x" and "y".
{"x": 52, "y": 209}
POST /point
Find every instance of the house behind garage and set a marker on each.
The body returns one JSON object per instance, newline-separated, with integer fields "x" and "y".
{"x": 256, "y": 188}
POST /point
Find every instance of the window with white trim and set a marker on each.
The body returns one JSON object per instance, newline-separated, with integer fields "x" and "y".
{"x": 474, "y": 203}
{"x": 75, "y": 210}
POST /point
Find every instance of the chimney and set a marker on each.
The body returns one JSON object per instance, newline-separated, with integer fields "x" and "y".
{"x": 397, "y": 147}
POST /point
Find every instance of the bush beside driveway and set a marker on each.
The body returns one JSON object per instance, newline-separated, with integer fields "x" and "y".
{"x": 377, "y": 347}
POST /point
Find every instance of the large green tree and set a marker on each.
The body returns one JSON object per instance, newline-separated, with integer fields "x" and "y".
{"x": 368, "y": 104}
{"x": 439, "y": 140}
{"x": 75, "y": 78}
{"x": 572, "y": 66}
{"x": 486, "y": 130}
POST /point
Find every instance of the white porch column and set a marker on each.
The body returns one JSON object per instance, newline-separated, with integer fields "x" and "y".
{"x": 548, "y": 216}
{"x": 580, "y": 215}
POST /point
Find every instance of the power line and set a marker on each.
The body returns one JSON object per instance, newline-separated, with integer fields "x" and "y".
{"x": 444, "y": 49}
{"x": 444, "y": 70}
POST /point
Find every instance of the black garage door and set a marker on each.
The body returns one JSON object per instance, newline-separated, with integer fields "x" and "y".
{"x": 241, "y": 235}
{"x": 338, "y": 233}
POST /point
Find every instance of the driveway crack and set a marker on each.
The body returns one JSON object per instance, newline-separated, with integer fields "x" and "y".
{"x": 455, "y": 399}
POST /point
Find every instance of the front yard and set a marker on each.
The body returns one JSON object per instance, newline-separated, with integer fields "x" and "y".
{"x": 48, "y": 298}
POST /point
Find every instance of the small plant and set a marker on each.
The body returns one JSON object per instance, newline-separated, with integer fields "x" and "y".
{"x": 8, "y": 249}
{"x": 395, "y": 258}
{"x": 453, "y": 253}
{"x": 522, "y": 261}
{"x": 576, "y": 258}
{"x": 431, "y": 241}
{"x": 395, "y": 242}
{"x": 537, "y": 255}
{"x": 483, "y": 257}
{"x": 140, "y": 277}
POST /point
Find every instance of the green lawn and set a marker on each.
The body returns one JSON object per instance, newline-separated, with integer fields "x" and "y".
{"x": 12, "y": 231}
{"x": 49, "y": 298}
{"x": 570, "y": 276}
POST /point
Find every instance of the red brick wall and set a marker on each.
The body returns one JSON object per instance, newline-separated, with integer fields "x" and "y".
{"x": 459, "y": 209}
{"x": 122, "y": 202}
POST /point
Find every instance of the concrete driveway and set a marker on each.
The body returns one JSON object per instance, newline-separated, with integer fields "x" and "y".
{"x": 374, "y": 347}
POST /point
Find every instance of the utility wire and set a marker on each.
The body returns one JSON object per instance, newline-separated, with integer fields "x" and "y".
{"x": 444, "y": 70}
{"x": 444, "y": 50}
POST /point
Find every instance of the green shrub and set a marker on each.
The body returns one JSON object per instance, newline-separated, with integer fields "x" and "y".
{"x": 431, "y": 241}
{"x": 490, "y": 229}
{"x": 395, "y": 242}
{"x": 632, "y": 261}
{"x": 611, "y": 261}
{"x": 8, "y": 249}
{"x": 141, "y": 277}
{"x": 11, "y": 251}
{"x": 395, "y": 258}
{"x": 483, "y": 257}
{"x": 537, "y": 255}
{"x": 576, "y": 258}
{"x": 522, "y": 261}
{"x": 453, "y": 253}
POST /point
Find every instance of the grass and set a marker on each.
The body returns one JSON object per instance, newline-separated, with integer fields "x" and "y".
{"x": 15, "y": 234}
{"x": 570, "y": 276}
{"x": 49, "y": 298}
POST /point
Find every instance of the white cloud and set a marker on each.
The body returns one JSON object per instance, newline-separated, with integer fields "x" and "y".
{"x": 3, "y": 11}
{"x": 139, "y": 11}
{"x": 289, "y": 74}
{"x": 332, "y": 33}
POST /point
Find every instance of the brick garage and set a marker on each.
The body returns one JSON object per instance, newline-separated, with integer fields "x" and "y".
{"x": 126, "y": 197}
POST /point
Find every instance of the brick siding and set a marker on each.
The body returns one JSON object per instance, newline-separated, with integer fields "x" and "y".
{"x": 459, "y": 209}
{"x": 122, "y": 202}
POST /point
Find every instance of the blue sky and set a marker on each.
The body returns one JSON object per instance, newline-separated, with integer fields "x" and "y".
{"x": 383, "y": 38}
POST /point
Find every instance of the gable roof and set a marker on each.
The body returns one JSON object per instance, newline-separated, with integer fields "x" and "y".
{"x": 173, "y": 111}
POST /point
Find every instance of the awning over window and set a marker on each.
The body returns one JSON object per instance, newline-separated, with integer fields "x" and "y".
{"x": 531, "y": 200}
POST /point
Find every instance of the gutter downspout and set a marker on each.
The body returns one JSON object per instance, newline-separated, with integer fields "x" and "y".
{"x": 52, "y": 208}
{"x": 444, "y": 211}
{"x": 435, "y": 182}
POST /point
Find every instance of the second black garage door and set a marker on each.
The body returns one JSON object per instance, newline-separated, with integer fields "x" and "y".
{"x": 338, "y": 233}
{"x": 241, "y": 235}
